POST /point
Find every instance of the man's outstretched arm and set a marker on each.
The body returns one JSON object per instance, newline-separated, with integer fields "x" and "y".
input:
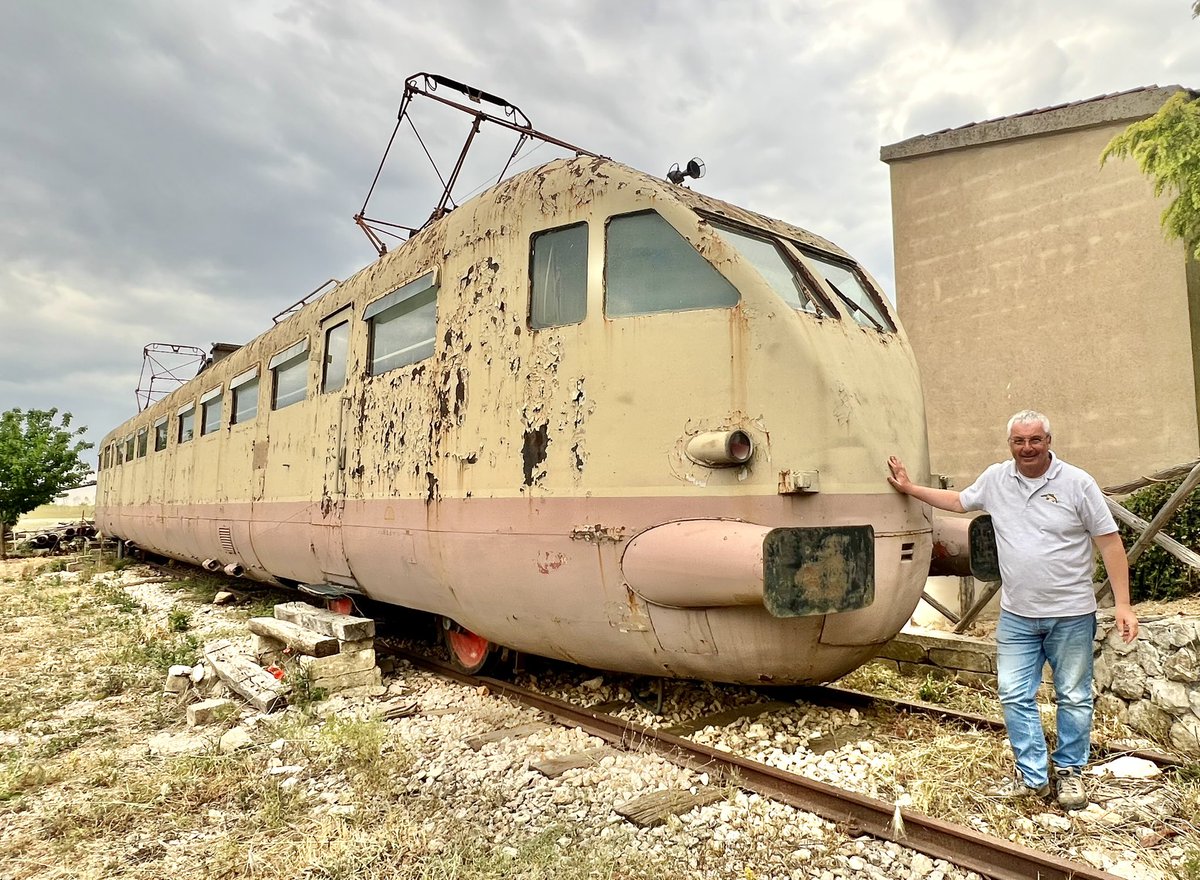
{"x": 942, "y": 499}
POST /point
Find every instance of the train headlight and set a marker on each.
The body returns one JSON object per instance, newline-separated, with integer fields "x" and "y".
{"x": 720, "y": 448}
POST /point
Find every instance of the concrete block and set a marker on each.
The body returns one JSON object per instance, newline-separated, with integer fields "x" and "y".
{"x": 208, "y": 711}
{"x": 266, "y": 650}
{"x": 338, "y": 664}
{"x": 340, "y": 626}
{"x": 356, "y": 646}
{"x": 332, "y": 684}
{"x": 950, "y": 658}
{"x": 903, "y": 649}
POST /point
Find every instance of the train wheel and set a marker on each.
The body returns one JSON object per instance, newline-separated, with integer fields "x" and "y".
{"x": 468, "y": 652}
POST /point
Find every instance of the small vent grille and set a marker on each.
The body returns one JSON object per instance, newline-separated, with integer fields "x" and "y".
{"x": 226, "y": 537}
{"x": 906, "y": 551}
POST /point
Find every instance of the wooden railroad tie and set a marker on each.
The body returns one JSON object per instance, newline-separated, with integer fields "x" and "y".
{"x": 654, "y": 808}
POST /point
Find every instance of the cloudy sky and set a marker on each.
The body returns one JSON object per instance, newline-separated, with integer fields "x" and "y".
{"x": 180, "y": 172}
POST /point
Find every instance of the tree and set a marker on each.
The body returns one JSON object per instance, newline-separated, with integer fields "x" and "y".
{"x": 38, "y": 462}
{"x": 1167, "y": 148}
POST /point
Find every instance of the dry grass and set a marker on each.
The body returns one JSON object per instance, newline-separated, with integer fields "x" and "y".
{"x": 946, "y": 771}
{"x": 82, "y": 797}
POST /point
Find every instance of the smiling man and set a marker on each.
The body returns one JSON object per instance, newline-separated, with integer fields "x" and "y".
{"x": 1047, "y": 515}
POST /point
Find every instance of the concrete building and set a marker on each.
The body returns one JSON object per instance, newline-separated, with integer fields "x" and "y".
{"x": 1029, "y": 276}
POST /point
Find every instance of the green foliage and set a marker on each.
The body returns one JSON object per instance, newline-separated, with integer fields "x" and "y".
{"x": 38, "y": 461}
{"x": 179, "y": 619}
{"x": 1167, "y": 148}
{"x": 1157, "y": 575}
{"x": 934, "y": 689}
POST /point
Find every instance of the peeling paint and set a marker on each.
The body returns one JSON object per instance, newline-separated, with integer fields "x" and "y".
{"x": 533, "y": 453}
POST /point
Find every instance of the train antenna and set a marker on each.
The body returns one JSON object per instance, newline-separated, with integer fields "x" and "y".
{"x": 509, "y": 117}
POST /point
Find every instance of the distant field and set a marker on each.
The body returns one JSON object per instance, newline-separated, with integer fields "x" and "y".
{"x": 52, "y": 514}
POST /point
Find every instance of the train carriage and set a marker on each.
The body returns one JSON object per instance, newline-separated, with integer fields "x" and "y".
{"x": 589, "y": 414}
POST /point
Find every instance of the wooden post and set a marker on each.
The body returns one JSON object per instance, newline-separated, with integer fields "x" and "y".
{"x": 966, "y": 594}
{"x": 1135, "y": 522}
{"x": 1160, "y": 519}
{"x": 990, "y": 590}
{"x": 942, "y": 609}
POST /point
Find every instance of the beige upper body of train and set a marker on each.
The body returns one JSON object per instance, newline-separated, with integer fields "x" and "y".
{"x": 588, "y": 414}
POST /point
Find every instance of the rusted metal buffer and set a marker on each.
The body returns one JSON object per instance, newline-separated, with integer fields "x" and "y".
{"x": 588, "y": 414}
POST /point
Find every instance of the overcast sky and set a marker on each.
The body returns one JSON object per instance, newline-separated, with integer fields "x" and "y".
{"x": 180, "y": 172}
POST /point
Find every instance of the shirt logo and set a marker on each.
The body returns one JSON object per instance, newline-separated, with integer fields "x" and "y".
{"x": 1053, "y": 499}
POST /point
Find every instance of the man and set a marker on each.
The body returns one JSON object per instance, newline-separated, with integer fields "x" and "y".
{"x": 1047, "y": 515}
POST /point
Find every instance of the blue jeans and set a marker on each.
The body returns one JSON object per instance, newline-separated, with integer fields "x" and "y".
{"x": 1023, "y": 646}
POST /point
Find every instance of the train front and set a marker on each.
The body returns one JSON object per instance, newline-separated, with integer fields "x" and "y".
{"x": 773, "y": 550}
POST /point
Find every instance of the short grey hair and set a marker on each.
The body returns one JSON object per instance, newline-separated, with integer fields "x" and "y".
{"x": 1028, "y": 417}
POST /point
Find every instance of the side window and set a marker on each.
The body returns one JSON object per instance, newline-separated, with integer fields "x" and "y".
{"x": 160, "y": 434}
{"x": 129, "y": 447}
{"x": 142, "y": 442}
{"x": 337, "y": 350}
{"x": 649, "y": 268}
{"x": 403, "y": 324}
{"x": 854, "y": 292}
{"x": 245, "y": 397}
{"x": 210, "y": 411}
{"x": 558, "y": 276}
{"x": 187, "y": 423}
{"x": 289, "y": 375}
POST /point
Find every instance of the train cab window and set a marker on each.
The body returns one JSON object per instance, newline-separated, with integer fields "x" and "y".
{"x": 289, "y": 375}
{"x": 142, "y": 442}
{"x": 843, "y": 279}
{"x": 187, "y": 423}
{"x": 649, "y": 267}
{"x": 129, "y": 447}
{"x": 160, "y": 434}
{"x": 244, "y": 389}
{"x": 773, "y": 264}
{"x": 210, "y": 411}
{"x": 337, "y": 352}
{"x": 403, "y": 324}
{"x": 558, "y": 276}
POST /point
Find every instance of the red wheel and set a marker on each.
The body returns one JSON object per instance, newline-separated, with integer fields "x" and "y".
{"x": 468, "y": 652}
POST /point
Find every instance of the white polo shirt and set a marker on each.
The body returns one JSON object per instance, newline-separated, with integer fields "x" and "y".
{"x": 1044, "y": 530}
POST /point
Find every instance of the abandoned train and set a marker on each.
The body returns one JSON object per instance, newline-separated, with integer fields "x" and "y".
{"x": 589, "y": 414}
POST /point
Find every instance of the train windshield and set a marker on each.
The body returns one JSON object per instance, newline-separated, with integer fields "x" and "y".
{"x": 844, "y": 280}
{"x": 776, "y": 269}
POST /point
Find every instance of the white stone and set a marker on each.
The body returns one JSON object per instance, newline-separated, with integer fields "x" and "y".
{"x": 1127, "y": 767}
{"x": 234, "y": 739}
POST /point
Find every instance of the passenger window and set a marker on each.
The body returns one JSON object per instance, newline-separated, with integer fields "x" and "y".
{"x": 852, "y": 290}
{"x": 337, "y": 351}
{"x": 773, "y": 265}
{"x": 649, "y": 267}
{"x": 558, "y": 276}
{"x": 142, "y": 442}
{"x": 187, "y": 423}
{"x": 160, "y": 435}
{"x": 129, "y": 441}
{"x": 403, "y": 325}
{"x": 245, "y": 397}
{"x": 289, "y": 370}
{"x": 210, "y": 412}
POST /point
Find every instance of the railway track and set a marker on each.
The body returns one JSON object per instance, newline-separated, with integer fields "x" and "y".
{"x": 854, "y": 812}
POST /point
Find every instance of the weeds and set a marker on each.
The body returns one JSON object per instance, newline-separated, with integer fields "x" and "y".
{"x": 179, "y": 619}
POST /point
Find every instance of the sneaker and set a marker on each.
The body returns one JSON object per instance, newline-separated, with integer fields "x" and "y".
{"x": 1069, "y": 786}
{"x": 1015, "y": 789}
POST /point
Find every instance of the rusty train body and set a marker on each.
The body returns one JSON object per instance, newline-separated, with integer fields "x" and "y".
{"x": 589, "y": 414}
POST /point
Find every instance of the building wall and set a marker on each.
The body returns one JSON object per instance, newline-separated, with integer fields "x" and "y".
{"x": 1029, "y": 276}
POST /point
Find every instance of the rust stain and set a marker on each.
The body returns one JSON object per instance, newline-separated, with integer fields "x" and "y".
{"x": 549, "y": 561}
